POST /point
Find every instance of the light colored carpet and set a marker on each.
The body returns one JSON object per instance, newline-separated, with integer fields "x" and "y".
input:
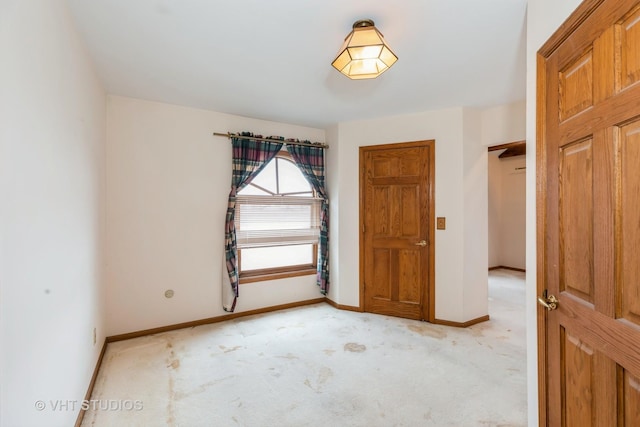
{"x": 319, "y": 366}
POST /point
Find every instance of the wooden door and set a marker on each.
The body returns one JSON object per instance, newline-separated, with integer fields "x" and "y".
{"x": 589, "y": 217}
{"x": 397, "y": 222}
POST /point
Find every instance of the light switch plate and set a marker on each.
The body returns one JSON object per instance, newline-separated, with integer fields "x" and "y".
{"x": 441, "y": 223}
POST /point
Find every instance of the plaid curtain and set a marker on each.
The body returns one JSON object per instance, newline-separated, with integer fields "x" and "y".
{"x": 310, "y": 160}
{"x": 249, "y": 158}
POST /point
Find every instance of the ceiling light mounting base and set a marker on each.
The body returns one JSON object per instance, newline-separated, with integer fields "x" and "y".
{"x": 363, "y": 23}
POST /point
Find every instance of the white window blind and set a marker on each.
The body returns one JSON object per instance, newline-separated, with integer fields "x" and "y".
{"x": 263, "y": 221}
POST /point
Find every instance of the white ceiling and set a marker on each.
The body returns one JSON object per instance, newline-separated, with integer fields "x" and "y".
{"x": 271, "y": 59}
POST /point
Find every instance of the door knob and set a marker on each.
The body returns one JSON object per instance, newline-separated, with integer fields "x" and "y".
{"x": 422, "y": 243}
{"x": 548, "y": 301}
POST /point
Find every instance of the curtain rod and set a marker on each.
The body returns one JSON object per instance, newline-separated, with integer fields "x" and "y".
{"x": 310, "y": 144}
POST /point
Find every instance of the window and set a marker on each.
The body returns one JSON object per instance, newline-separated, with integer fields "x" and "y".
{"x": 277, "y": 223}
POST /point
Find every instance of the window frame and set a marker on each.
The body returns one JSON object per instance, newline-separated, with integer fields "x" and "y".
{"x": 263, "y": 274}
{"x": 273, "y": 273}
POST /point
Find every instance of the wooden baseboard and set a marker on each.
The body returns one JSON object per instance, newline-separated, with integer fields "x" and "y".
{"x": 209, "y": 320}
{"x": 522, "y": 270}
{"x": 435, "y": 321}
{"x": 461, "y": 324}
{"x": 87, "y": 395}
{"x": 343, "y": 307}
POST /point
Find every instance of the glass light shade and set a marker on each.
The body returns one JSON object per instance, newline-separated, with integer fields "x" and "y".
{"x": 364, "y": 53}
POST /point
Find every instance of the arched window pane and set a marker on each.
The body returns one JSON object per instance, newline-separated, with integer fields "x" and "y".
{"x": 251, "y": 190}
{"x": 291, "y": 179}
{"x": 267, "y": 178}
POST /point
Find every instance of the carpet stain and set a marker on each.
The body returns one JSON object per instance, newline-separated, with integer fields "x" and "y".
{"x": 175, "y": 364}
{"x": 202, "y": 388}
{"x": 355, "y": 347}
{"x": 323, "y": 376}
{"x": 476, "y": 332}
{"x": 328, "y": 351}
{"x": 428, "y": 331}
{"x": 170, "y": 413}
{"x": 288, "y": 356}
{"x": 228, "y": 350}
{"x": 400, "y": 346}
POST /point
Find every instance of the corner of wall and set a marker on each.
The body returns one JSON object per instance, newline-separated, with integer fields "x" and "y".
{"x": 475, "y": 231}
{"x": 53, "y": 112}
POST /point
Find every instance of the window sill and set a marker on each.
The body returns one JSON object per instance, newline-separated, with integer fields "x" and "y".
{"x": 252, "y": 278}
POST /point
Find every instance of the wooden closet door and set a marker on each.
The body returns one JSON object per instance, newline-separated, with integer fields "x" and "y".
{"x": 397, "y": 226}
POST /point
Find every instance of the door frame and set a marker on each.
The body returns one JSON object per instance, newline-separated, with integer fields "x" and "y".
{"x": 582, "y": 12}
{"x": 429, "y": 312}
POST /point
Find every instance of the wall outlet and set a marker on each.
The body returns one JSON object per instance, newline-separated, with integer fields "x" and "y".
{"x": 95, "y": 336}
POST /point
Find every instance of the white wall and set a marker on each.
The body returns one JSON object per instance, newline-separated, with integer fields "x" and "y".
{"x": 446, "y": 127}
{"x": 475, "y": 232}
{"x": 495, "y": 209}
{"x": 168, "y": 181}
{"x": 52, "y": 126}
{"x": 507, "y": 211}
{"x": 513, "y": 225}
{"x": 543, "y": 18}
{"x": 504, "y": 123}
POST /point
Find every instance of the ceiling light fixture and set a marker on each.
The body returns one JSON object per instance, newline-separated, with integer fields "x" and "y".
{"x": 364, "y": 54}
